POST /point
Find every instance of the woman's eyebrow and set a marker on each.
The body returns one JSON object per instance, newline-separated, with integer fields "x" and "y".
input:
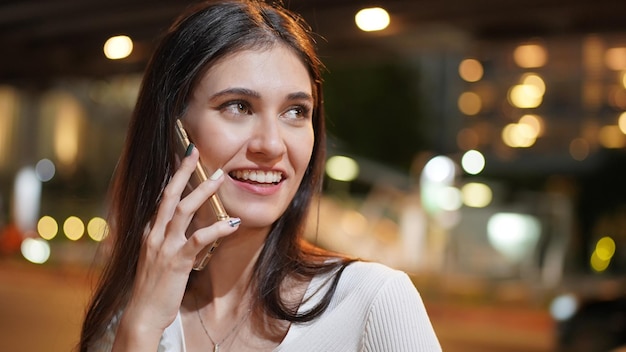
{"x": 237, "y": 91}
{"x": 299, "y": 96}
{"x": 254, "y": 94}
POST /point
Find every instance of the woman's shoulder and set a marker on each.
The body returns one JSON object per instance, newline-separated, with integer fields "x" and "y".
{"x": 372, "y": 272}
{"x": 369, "y": 279}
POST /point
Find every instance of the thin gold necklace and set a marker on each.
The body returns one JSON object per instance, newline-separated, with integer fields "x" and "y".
{"x": 216, "y": 345}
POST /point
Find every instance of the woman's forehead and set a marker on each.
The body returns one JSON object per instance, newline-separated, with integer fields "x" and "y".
{"x": 275, "y": 67}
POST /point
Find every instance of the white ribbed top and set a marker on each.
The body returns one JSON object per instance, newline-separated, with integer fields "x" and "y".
{"x": 375, "y": 309}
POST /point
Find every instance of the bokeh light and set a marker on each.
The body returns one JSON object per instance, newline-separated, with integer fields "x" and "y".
{"x": 45, "y": 170}
{"x": 27, "y": 199}
{"x": 35, "y": 250}
{"x": 563, "y": 307}
{"x": 437, "y": 176}
{"x": 342, "y": 168}
{"x": 47, "y": 227}
{"x": 449, "y": 198}
{"x": 470, "y": 103}
{"x": 118, "y": 47}
{"x": 621, "y": 122}
{"x": 605, "y": 248}
{"x": 615, "y": 58}
{"x": 611, "y": 137}
{"x": 535, "y": 122}
{"x": 513, "y": 235}
{"x": 598, "y": 264}
{"x": 602, "y": 254}
{"x": 530, "y": 56}
{"x": 9, "y": 110}
{"x": 517, "y": 135}
{"x": 97, "y": 229}
{"x": 471, "y": 70}
{"x": 372, "y": 19}
{"x": 74, "y": 228}
{"x": 534, "y": 80}
{"x": 440, "y": 169}
{"x": 473, "y": 162}
{"x": 476, "y": 195}
{"x": 525, "y": 96}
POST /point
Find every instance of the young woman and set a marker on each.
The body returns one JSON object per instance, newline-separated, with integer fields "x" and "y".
{"x": 244, "y": 80}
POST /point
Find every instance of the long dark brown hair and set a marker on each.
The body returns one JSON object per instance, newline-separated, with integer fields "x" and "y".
{"x": 204, "y": 34}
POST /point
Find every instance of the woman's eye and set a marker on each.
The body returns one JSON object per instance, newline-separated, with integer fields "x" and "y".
{"x": 236, "y": 108}
{"x": 297, "y": 113}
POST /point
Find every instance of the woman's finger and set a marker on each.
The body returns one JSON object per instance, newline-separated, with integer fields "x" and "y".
{"x": 205, "y": 236}
{"x": 174, "y": 190}
{"x": 189, "y": 205}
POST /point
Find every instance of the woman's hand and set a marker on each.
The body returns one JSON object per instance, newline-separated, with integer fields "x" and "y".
{"x": 166, "y": 259}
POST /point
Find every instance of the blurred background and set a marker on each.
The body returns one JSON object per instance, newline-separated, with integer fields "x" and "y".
{"x": 477, "y": 145}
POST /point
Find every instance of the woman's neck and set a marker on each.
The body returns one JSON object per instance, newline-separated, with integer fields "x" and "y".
{"x": 226, "y": 278}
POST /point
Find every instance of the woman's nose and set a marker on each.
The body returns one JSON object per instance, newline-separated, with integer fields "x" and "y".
{"x": 267, "y": 139}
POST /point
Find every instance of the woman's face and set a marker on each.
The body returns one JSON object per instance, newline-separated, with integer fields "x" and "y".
{"x": 251, "y": 116}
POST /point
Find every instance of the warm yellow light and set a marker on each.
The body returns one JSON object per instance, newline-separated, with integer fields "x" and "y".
{"x": 615, "y": 58}
{"x": 612, "y": 137}
{"x": 603, "y": 253}
{"x": 9, "y": 111}
{"x": 621, "y": 122}
{"x": 342, "y": 168}
{"x": 67, "y": 115}
{"x": 470, "y": 103}
{"x": 507, "y": 135}
{"x": 118, "y": 47}
{"x": 598, "y": 264}
{"x": 624, "y": 79}
{"x": 97, "y": 229}
{"x": 47, "y": 227}
{"x": 525, "y": 96}
{"x": 372, "y": 19}
{"x": 535, "y": 122}
{"x": 518, "y": 136}
{"x": 530, "y": 56}
{"x": 471, "y": 70}
{"x": 73, "y": 228}
{"x": 605, "y": 248}
{"x": 536, "y": 81}
{"x": 476, "y": 195}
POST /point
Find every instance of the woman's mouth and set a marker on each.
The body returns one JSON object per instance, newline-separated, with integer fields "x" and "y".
{"x": 257, "y": 176}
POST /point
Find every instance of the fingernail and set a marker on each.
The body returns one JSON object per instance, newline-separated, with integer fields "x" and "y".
{"x": 189, "y": 149}
{"x": 216, "y": 175}
{"x": 234, "y": 222}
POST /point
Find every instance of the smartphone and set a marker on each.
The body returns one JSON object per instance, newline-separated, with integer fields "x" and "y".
{"x": 199, "y": 175}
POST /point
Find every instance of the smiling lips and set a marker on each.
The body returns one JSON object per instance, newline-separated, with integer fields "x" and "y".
{"x": 257, "y": 176}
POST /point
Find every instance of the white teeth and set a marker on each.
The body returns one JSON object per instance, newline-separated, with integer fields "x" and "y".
{"x": 258, "y": 176}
